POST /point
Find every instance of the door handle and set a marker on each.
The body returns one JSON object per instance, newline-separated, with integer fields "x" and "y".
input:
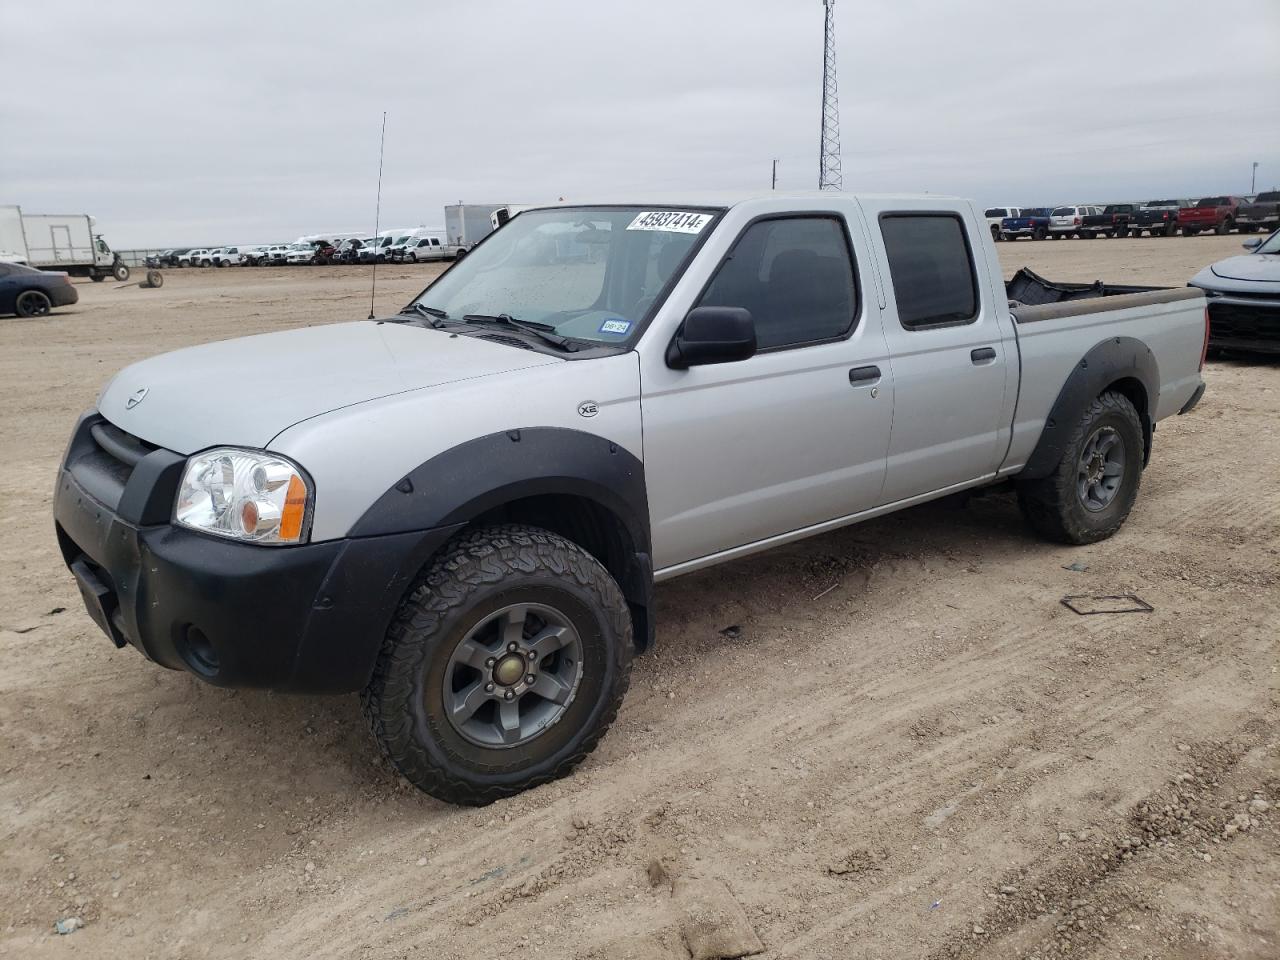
{"x": 864, "y": 374}
{"x": 982, "y": 354}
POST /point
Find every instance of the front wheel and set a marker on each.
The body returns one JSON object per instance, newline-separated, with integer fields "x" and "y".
{"x": 1093, "y": 488}
{"x": 503, "y": 668}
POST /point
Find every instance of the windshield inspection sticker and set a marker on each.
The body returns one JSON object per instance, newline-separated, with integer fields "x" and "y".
{"x": 672, "y": 221}
{"x": 619, "y": 327}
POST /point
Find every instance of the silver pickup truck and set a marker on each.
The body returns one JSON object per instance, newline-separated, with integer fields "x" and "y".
{"x": 461, "y": 511}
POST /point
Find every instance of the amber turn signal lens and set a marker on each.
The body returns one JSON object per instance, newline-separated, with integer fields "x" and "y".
{"x": 295, "y": 509}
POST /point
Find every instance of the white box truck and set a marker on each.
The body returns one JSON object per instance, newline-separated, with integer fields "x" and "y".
{"x": 466, "y": 224}
{"x": 66, "y": 242}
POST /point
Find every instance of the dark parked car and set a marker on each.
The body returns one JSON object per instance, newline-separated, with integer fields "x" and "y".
{"x": 1113, "y": 221}
{"x": 1158, "y": 217}
{"x": 1033, "y": 223}
{"x": 33, "y": 293}
{"x": 1261, "y": 213}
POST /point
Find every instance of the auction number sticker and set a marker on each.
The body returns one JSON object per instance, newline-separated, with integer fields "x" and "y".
{"x": 670, "y": 221}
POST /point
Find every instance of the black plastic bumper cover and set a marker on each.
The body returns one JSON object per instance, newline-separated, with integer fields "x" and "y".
{"x": 309, "y": 618}
{"x": 1195, "y": 398}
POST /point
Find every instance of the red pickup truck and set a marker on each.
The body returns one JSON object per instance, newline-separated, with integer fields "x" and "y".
{"x": 1212, "y": 213}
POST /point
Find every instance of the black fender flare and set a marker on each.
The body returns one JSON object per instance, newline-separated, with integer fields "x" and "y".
{"x": 1111, "y": 360}
{"x": 488, "y": 473}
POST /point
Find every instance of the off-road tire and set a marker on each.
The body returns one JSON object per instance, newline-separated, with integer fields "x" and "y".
{"x": 478, "y": 571}
{"x": 1052, "y": 505}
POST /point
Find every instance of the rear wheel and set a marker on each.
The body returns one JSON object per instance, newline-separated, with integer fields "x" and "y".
{"x": 1189, "y": 231}
{"x": 1039, "y": 233}
{"x": 504, "y": 666}
{"x": 32, "y": 303}
{"x": 995, "y": 233}
{"x": 1093, "y": 488}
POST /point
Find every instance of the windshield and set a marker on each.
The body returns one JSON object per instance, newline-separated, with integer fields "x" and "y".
{"x": 589, "y": 273}
{"x": 1036, "y": 212}
{"x": 1267, "y": 197}
{"x": 1270, "y": 245}
{"x": 1213, "y": 202}
{"x": 1164, "y": 203}
{"x": 1065, "y": 212}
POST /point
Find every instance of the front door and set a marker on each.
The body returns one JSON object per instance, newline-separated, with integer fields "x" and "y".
{"x": 737, "y": 453}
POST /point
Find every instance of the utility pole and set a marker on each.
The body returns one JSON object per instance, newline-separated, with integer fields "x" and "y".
{"x": 1253, "y": 180}
{"x": 775, "y": 175}
{"x": 829, "y": 175}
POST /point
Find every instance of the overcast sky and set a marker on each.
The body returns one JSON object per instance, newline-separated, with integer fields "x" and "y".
{"x": 243, "y": 123}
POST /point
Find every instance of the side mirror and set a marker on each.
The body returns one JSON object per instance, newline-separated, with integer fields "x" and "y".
{"x": 713, "y": 335}
{"x": 1252, "y": 244}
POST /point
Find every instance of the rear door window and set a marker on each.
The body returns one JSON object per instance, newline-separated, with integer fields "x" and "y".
{"x": 931, "y": 266}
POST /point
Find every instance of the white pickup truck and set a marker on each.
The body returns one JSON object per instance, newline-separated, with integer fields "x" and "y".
{"x": 461, "y": 511}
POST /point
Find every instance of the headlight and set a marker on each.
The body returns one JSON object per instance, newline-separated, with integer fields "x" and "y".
{"x": 245, "y": 495}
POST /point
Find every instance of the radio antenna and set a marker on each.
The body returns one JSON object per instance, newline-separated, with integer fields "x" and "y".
{"x": 377, "y": 215}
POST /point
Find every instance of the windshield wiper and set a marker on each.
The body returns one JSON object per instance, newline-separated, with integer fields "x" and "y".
{"x": 433, "y": 315}
{"x": 543, "y": 331}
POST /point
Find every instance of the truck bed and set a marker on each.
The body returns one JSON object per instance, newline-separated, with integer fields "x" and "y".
{"x": 1030, "y": 289}
{"x": 1053, "y": 336}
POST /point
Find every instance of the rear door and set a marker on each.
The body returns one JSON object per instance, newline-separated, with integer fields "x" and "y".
{"x": 954, "y": 369}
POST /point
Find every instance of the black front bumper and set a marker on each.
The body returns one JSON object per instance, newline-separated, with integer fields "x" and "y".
{"x": 308, "y": 618}
{"x": 1244, "y": 325}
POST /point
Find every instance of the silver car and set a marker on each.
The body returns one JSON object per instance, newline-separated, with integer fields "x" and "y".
{"x": 1244, "y": 298}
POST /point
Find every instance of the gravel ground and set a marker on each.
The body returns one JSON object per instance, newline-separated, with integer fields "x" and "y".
{"x": 887, "y": 742}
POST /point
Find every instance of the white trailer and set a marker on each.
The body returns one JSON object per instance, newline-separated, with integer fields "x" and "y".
{"x": 65, "y": 242}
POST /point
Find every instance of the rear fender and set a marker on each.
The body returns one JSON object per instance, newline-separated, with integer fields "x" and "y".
{"x": 1113, "y": 360}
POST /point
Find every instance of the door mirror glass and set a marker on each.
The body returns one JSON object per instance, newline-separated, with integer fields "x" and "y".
{"x": 713, "y": 335}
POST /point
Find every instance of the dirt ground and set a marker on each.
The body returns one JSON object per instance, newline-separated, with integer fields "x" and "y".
{"x": 888, "y": 742}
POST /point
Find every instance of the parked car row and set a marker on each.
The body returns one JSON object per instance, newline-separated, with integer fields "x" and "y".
{"x": 413, "y": 247}
{"x": 1156, "y": 218}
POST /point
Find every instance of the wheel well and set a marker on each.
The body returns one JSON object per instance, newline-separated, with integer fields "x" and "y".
{"x": 1132, "y": 390}
{"x": 600, "y": 532}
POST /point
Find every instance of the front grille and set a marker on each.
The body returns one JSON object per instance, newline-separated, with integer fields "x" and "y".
{"x": 120, "y": 446}
{"x": 1234, "y": 322}
{"x": 104, "y": 464}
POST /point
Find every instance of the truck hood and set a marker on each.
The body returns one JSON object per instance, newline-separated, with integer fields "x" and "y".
{"x": 1253, "y": 266}
{"x": 244, "y": 392}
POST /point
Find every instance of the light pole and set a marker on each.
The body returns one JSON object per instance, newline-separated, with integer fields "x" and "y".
{"x": 1253, "y": 180}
